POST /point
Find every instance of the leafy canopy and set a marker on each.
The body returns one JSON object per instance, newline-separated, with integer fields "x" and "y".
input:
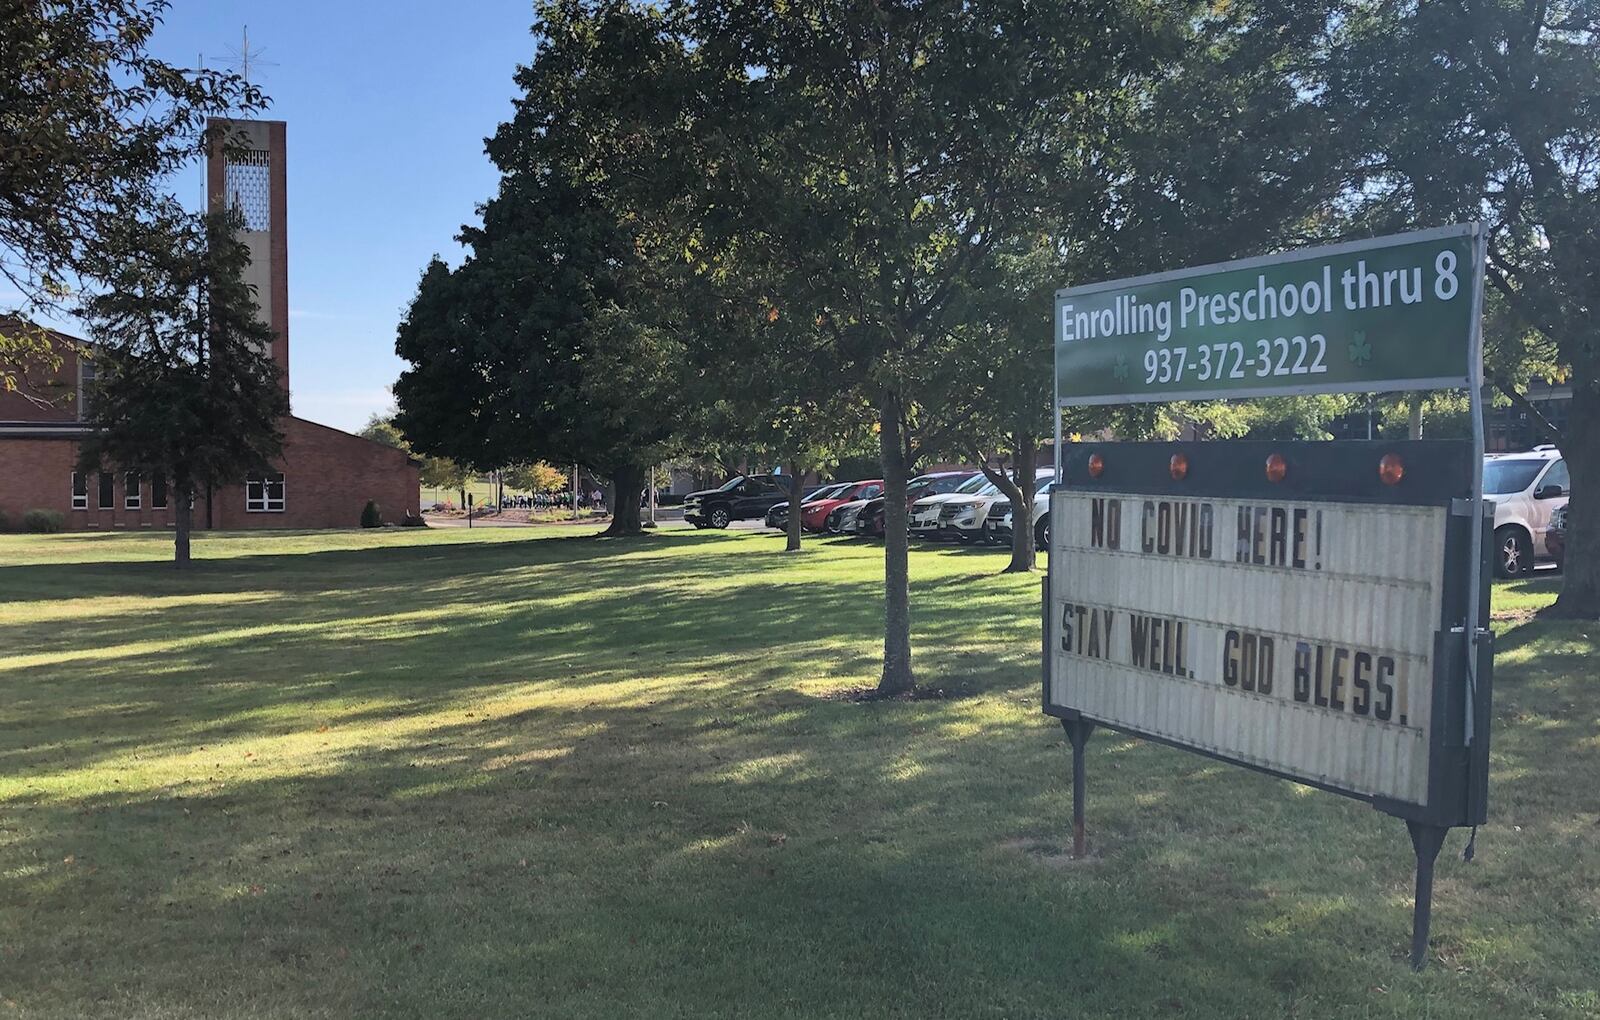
{"x": 91, "y": 128}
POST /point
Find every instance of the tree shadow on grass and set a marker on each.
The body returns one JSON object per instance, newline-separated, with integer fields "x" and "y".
{"x": 606, "y": 785}
{"x": 512, "y": 621}
{"x": 732, "y": 851}
{"x": 46, "y": 581}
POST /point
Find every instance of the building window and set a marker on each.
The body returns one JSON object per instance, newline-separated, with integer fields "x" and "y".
{"x": 131, "y": 493}
{"x": 87, "y": 374}
{"x": 264, "y": 493}
{"x": 108, "y": 498}
{"x": 80, "y": 491}
{"x": 158, "y": 492}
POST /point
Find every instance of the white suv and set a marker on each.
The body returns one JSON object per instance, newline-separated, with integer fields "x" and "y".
{"x": 964, "y": 516}
{"x": 1525, "y": 489}
{"x": 923, "y": 518}
{"x": 998, "y": 527}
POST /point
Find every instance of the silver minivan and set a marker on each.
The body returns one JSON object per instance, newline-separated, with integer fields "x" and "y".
{"x": 1525, "y": 489}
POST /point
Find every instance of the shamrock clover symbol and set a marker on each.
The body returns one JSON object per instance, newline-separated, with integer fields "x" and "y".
{"x": 1120, "y": 370}
{"x": 1360, "y": 348}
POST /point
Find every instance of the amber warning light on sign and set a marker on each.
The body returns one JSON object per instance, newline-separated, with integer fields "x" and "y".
{"x": 1391, "y": 469}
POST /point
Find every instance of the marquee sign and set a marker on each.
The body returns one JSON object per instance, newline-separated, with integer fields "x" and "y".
{"x": 1298, "y": 626}
{"x": 1309, "y": 610}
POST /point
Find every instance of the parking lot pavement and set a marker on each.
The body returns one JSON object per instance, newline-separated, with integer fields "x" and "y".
{"x": 681, "y": 525}
{"x": 440, "y": 521}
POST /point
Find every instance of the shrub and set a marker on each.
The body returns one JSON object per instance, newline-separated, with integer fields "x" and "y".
{"x": 371, "y": 516}
{"x": 44, "y": 522}
{"x": 411, "y": 520}
{"x": 5, "y": 522}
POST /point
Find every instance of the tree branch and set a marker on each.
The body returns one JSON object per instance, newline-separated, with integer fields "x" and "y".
{"x": 1527, "y": 407}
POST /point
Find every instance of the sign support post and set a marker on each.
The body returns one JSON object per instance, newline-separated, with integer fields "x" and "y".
{"x": 1475, "y": 385}
{"x": 1323, "y": 620}
{"x": 1078, "y": 731}
{"x": 1426, "y": 840}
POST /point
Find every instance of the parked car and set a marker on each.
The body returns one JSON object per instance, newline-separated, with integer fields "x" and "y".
{"x": 1525, "y": 489}
{"x": 924, "y": 513}
{"x": 740, "y": 498}
{"x": 841, "y": 520}
{"x": 1555, "y": 537}
{"x": 778, "y": 513}
{"x": 997, "y": 526}
{"x": 964, "y": 515}
{"x": 814, "y": 516}
{"x": 870, "y": 522}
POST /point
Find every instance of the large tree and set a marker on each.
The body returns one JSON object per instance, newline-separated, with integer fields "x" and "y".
{"x": 1490, "y": 109}
{"x": 766, "y": 380}
{"x": 882, "y": 151}
{"x": 91, "y": 128}
{"x": 895, "y": 150}
{"x": 560, "y": 336}
{"x": 994, "y": 381}
{"x": 186, "y": 388}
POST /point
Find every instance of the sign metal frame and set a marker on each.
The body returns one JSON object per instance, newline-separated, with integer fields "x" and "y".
{"x": 1462, "y": 648}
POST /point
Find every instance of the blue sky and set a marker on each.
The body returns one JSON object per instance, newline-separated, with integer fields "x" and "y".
{"x": 387, "y": 104}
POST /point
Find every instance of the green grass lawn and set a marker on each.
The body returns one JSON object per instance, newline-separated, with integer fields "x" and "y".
{"x": 498, "y": 773}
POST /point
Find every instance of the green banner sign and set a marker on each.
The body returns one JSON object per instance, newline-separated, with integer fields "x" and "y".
{"x": 1392, "y": 313}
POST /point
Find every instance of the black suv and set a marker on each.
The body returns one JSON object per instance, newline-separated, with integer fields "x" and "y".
{"x": 740, "y": 498}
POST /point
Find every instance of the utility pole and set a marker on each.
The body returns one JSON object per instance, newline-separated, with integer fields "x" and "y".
{"x": 574, "y": 492}
{"x": 652, "y": 495}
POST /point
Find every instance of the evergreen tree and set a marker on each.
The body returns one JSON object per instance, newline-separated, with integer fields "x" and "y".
{"x": 186, "y": 388}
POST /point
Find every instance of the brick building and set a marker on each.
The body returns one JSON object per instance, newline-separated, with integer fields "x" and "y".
{"x": 324, "y": 478}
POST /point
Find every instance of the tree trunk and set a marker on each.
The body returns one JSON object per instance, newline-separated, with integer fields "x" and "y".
{"x": 1023, "y": 553}
{"x": 1013, "y": 491}
{"x": 793, "y": 544}
{"x": 183, "y": 507}
{"x": 627, "y": 483}
{"x": 1415, "y": 424}
{"x": 1580, "y": 587}
{"x": 897, "y": 676}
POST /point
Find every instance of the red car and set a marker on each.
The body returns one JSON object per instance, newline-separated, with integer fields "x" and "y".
{"x": 814, "y": 515}
{"x": 871, "y": 520}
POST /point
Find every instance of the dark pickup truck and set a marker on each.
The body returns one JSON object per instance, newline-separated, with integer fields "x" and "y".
{"x": 740, "y": 498}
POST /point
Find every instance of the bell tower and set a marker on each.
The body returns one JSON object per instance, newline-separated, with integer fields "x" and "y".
{"x": 245, "y": 174}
